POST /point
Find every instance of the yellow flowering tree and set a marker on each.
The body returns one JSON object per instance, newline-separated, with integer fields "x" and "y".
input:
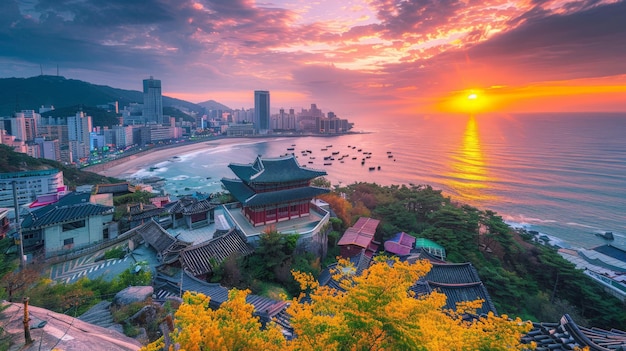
{"x": 375, "y": 311}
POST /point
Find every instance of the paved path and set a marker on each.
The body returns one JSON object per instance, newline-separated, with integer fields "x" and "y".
{"x": 70, "y": 271}
{"x": 86, "y": 266}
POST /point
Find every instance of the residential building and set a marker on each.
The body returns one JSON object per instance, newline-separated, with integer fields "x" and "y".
{"x": 261, "y": 111}
{"x": 29, "y": 185}
{"x": 69, "y": 224}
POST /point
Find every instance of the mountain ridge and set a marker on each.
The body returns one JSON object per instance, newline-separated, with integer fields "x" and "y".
{"x": 31, "y": 93}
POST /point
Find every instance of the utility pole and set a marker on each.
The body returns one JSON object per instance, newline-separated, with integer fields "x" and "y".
{"x": 18, "y": 226}
{"x": 27, "y": 337}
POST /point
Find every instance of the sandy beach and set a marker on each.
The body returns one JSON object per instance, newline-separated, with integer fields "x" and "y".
{"x": 125, "y": 167}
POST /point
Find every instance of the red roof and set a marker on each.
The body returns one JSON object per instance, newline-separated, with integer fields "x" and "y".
{"x": 361, "y": 233}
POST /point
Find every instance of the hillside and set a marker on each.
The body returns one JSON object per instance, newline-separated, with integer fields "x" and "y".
{"x": 213, "y": 105}
{"x": 11, "y": 161}
{"x": 31, "y": 93}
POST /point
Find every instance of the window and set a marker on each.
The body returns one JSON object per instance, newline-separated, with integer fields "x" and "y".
{"x": 69, "y": 241}
{"x": 73, "y": 225}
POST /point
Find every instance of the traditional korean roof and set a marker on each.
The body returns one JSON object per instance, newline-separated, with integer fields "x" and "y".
{"x": 567, "y": 335}
{"x": 401, "y": 244}
{"x": 199, "y": 259}
{"x": 189, "y": 205}
{"x": 360, "y": 262}
{"x": 265, "y": 308}
{"x": 274, "y": 170}
{"x": 244, "y": 194}
{"x": 71, "y": 207}
{"x": 452, "y": 273}
{"x": 459, "y": 282}
{"x": 167, "y": 247}
{"x": 361, "y": 233}
{"x": 464, "y": 292}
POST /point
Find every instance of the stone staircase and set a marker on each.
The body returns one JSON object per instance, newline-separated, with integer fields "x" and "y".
{"x": 99, "y": 315}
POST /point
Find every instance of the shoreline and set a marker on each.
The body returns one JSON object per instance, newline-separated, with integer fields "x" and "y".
{"x": 125, "y": 167}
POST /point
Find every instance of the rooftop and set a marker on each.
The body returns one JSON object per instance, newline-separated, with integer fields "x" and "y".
{"x": 273, "y": 170}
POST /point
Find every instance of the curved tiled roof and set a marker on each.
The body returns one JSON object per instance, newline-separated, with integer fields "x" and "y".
{"x": 71, "y": 207}
{"x": 167, "y": 246}
{"x": 567, "y": 335}
{"x": 248, "y": 197}
{"x": 456, "y": 293}
{"x": 199, "y": 259}
{"x": 267, "y": 309}
{"x": 458, "y": 281}
{"x": 191, "y": 205}
{"x": 453, "y": 273}
{"x": 274, "y": 170}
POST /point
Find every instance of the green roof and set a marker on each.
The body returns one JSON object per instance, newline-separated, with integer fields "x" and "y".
{"x": 274, "y": 170}
{"x": 429, "y": 244}
{"x": 248, "y": 197}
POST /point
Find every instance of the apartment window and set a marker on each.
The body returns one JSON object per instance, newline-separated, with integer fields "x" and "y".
{"x": 69, "y": 241}
{"x": 73, "y": 225}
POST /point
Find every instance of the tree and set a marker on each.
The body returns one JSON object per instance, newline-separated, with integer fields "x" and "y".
{"x": 375, "y": 311}
{"x": 231, "y": 327}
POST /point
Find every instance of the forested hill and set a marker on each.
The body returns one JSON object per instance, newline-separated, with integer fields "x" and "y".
{"x": 11, "y": 161}
{"x": 18, "y": 94}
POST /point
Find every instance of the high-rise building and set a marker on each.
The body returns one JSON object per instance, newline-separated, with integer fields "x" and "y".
{"x": 78, "y": 130}
{"x": 152, "y": 101}
{"x": 261, "y": 111}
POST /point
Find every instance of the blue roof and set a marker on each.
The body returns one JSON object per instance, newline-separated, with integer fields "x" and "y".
{"x": 246, "y": 195}
{"x": 71, "y": 207}
{"x": 274, "y": 170}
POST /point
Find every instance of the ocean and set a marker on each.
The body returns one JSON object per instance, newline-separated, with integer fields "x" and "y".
{"x": 563, "y": 175}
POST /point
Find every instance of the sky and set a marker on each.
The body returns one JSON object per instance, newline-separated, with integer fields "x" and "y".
{"x": 375, "y": 58}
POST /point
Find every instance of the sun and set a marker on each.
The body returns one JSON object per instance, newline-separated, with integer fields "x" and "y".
{"x": 472, "y": 96}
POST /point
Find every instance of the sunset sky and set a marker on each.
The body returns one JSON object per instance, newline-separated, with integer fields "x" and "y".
{"x": 400, "y": 57}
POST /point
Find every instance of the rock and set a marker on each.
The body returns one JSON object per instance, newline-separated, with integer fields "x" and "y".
{"x": 117, "y": 327}
{"x": 132, "y": 294}
{"x": 142, "y": 337}
{"x": 174, "y": 302}
{"x": 145, "y": 316}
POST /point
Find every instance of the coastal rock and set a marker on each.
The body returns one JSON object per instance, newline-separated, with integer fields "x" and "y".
{"x": 133, "y": 294}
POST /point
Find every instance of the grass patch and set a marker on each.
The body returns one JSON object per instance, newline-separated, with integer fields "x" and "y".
{"x": 272, "y": 291}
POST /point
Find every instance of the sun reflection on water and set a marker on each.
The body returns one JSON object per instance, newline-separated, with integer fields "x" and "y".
{"x": 468, "y": 173}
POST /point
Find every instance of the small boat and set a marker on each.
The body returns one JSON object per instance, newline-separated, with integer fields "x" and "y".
{"x": 328, "y": 164}
{"x": 290, "y": 149}
{"x": 354, "y": 158}
{"x": 372, "y": 168}
{"x": 390, "y": 156}
{"x": 311, "y": 162}
{"x": 379, "y": 168}
{"x": 324, "y": 149}
{"x": 606, "y": 235}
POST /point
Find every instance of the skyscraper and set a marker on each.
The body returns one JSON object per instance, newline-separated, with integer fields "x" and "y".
{"x": 261, "y": 111}
{"x": 152, "y": 101}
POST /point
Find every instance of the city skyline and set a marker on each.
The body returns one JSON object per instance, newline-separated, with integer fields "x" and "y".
{"x": 357, "y": 57}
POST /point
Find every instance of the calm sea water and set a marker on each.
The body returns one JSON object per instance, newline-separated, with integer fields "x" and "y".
{"x": 561, "y": 174}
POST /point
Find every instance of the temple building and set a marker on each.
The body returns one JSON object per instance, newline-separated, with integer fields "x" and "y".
{"x": 272, "y": 190}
